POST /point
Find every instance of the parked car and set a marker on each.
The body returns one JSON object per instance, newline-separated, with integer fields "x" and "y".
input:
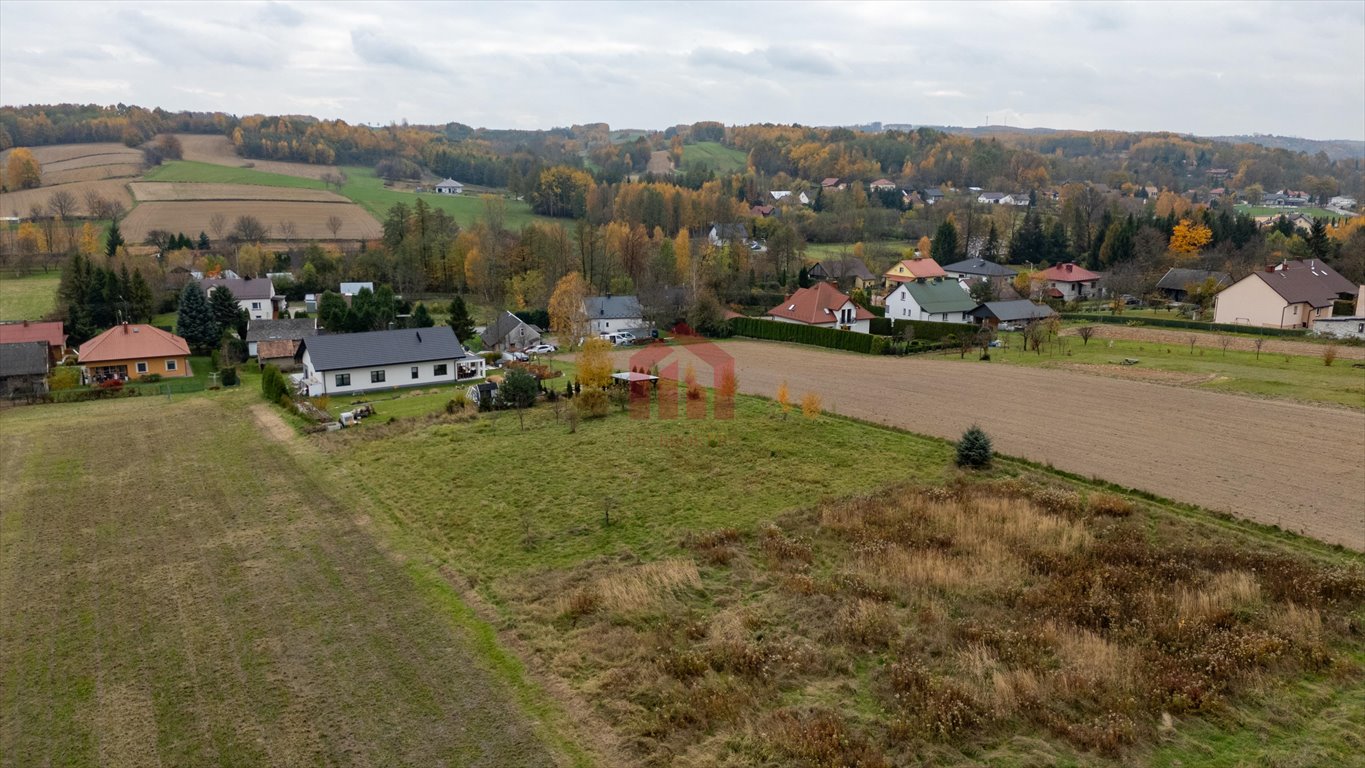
{"x": 617, "y": 339}
{"x": 542, "y": 349}
{"x": 520, "y": 357}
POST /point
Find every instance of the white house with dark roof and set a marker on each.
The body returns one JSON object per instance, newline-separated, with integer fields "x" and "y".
{"x": 346, "y": 363}
{"x": 509, "y": 334}
{"x": 610, "y": 314}
{"x": 257, "y": 296}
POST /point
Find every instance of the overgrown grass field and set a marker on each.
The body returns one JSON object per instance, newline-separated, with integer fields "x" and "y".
{"x": 30, "y": 297}
{"x": 1293, "y": 377}
{"x": 715, "y": 156}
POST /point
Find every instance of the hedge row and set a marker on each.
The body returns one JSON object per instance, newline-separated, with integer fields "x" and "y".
{"x": 924, "y": 329}
{"x": 1171, "y": 322}
{"x": 809, "y": 334}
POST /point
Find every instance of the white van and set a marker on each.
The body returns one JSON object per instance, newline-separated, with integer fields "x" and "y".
{"x": 617, "y": 339}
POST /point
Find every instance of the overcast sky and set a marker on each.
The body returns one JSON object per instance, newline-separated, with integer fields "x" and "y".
{"x": 1225, "y": 68}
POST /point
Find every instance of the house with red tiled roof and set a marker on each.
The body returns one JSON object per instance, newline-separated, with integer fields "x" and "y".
{"x": 823, "y": 305}
{"x": 130, "y": 351}
{"x": 1068, "y": 282}
{"x": 53, "y": 334}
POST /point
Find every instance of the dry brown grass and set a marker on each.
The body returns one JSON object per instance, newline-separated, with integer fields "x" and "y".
{"x": 310, "y": 219}
{"x": 641, "y": 589}
{"x": 18, "y": 203}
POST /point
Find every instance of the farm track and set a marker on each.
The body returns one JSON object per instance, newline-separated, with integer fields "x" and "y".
{"x": 1282, "y": 463}
{"x": 1206, "y": 340}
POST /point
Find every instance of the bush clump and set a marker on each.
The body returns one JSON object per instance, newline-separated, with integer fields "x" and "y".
{"x": 974, "y": 449}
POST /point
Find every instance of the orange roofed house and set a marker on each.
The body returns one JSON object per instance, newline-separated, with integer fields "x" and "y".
{"x": 823, "y": 305}
{"x": 910, "y": 270}
{"x": 129, "y": 351}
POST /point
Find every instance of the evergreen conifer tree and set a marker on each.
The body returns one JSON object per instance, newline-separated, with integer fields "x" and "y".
{"x": 194, "y": 320}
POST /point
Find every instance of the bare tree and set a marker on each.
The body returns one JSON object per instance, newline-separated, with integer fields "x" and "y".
{"x": 1224, "y": 342}
{"x": 1258, "y": 342}
{"x": 218, "y": 225}
{"x": 62, "y": 204}
{"x": 249, "y": 229}
{"x": 94, "y": 203}
{"x": 334, "y": 223}
{"x": 1192, "y": 339}
{"x": 288, "y": 230}
{"x": 1085, "y": 332}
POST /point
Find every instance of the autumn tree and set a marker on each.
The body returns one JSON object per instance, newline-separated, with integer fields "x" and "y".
{"x": 924, "y": 246}
{"x": 810, "y": 405}
{"x": 562, "y": 191}
{"x": 334, "y": 225}
{"x": 784, "y": 398}
{"x": 62, "y": 204}
{"x": 22, "y": 171}
{"x": 594, "y": 364}
{"x": 682, "y": 258}
{"x": 568, "y": 319}
{"x": 1188, "y": 238}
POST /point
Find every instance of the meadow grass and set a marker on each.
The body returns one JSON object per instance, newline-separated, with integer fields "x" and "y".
{"x": 1292, "y": 377}
{"x": 368, "y": 190}
{"x": 31, "y": 297}
{"x": 715, "y": 156}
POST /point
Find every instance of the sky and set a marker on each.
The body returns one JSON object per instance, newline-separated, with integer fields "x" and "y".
{"x": 1293, "y": 68}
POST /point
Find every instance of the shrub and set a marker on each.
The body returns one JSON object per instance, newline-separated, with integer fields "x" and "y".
{"x": 150, "y": 378}
{"x": 229, "y": 376}
{"x": 273, "y": 384}
{"x": 1111, "y": 505}
{"x": 1329, "y": 354}
{"x": 974, "y": 449}
{"x": 810, "y": 405}
{"x": 803, "y": 334}
{"x": 64, "y": 377}
{"x": 111, "y": 385}
{"x": 592, "y": 404}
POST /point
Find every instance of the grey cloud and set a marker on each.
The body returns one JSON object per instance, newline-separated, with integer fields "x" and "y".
{"x": 280, "y": 13}
{"x": 376, "y": 48}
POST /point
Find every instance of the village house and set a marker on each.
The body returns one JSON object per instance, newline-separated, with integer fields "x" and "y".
{"x": 1291, "y": 294}
{"x": 1285, "y": 198}
{"x": 256, "y": 296}
{"x": 283, "y": 330}
{"x": 969, "y": 271}
{"x": 1177, "y": 281}
{"x": 1016, "y": 313}
{"x": 882, "y": 185}
{"x": 833, "y": 182}
{"x": 130, "y": 351}
{"x": 612, "y": 314}
{"x": 845, "y": 273}
{"x": 449, "y": 187}
{"x": 991, "y": 198}
{"x": 509, "y": 334}
{"x": 931, "y": 196}
{"x": 723, "y": 234}
{"x": 822, "y": 305}
{"x": 1342, "y": 201}
{"x": 53, "y": 334}
{"x": 24, "y": 366}
{"x": 1068, "y": 282}
{"x": 346, "y": 363}
{"x": 936, "y": 299}
{"x": 911, "y": 269}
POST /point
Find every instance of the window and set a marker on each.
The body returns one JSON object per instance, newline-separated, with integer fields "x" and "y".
{"x": 414, "y": 371}
{"x": 141, "y": 367}
{"x": 255, "y": 305}
{"x": 170, "y": 365}
{"x": 343, "y": 379}
{"x": 376, "y": 377}
{"x": 439, "y": 370}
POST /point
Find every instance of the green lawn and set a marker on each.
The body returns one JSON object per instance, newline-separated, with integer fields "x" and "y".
{"x": 369, "y": 191}
{"x": 28, "y": 298}
{"x": 208, "y": 173}
{"x": 1293, "y": 377}
{"x": 715, "y": 156}
{"x": 821, "y": 251}
{"x": 1267, "y": 210}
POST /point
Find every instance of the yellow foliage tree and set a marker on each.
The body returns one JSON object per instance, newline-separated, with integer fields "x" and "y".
{"x": 90, "y": 240}
{"x": 22, "y": 171}
{"x": 594, "y": 364}
{"x": 924, "y": 246}
{"x": 567, "y": 317}
{"x": 784, "y": 398}
{"x": 1023, "y": 283}
{"x": 1169, "y": 202}
{"x": 30, "y": 239}
{"x": 1189, "y": 238}
{"x": 810, "y": 405}
{"x": 682, "y": 256}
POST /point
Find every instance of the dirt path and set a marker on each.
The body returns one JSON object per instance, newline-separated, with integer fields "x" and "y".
{"x": 271, "y": 424}
{"x": 1290, "y": 464}
{"x": 1272, "y": 346}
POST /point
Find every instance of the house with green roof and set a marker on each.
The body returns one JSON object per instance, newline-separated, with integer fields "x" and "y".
{"x": 937, "y": 299}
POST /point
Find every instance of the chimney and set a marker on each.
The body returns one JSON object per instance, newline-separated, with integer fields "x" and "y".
{"x": 1360, "y": 301}
{"x": 25, "y": 323}
{"x": 125, "y": 327}
{"x": 1069, "y": 267}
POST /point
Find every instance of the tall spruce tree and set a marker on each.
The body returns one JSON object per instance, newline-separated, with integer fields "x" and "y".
{"x": 114, "y": 240}
{"x": 227, "y": 313}
{"x": 460, "y": 321}
{"x": 421, "y": 318}
{"x": 944, "y": 246}
{"x": 194, "y": 320}
{"x": 991, "y": 250}
{"x": 141, "y": 298}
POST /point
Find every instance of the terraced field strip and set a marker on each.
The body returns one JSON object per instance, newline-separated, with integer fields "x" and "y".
{"x": 310, "y": 219}
{"x": 160, "y": 191}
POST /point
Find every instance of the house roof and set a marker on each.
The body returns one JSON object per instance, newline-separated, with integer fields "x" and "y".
{"x": 830, "y": 181}
{"x": 991, "y": 196}
{"x": 449, "y": 183}
{"x": 13, "y": 333}
{"x": 256, "y": 288}
{"x": 274, "y": 330}
{"x": 276, "y": 348}
{"x": 817, "y": 305}
{"x": 505, "y": 324}
{"x": 731, "y": 231}
{"x": 883, "y": 183}
{"x": 132, "y": 342}
{"x": 351, "y": 289}
{"x": 1013, "y": 311}
{"x": 778, "y": 194}
{"x": 1306, "y": 282}
{"x": 361, "y": 350}
{"x": 23, "y": 358}
{"x": 848, "y": 267}
{"x": 918, "y": 268}
{"x": 939, "y": 296}
{"x": 1176, "y": 278}
{"x": 762, "y": 210}
{"x": 612, "y": 307}
{"x": 980, "y": 267}
{"x": 1068, "y": 273}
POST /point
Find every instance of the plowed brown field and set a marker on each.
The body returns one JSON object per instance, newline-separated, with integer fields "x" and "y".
{"x": 163, "y": 191}
{"x": 1298, "y": 466}
{"x": 19, "y": 203}
{"x": 216, "y": 149}
{"x": 310, "y": 219}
